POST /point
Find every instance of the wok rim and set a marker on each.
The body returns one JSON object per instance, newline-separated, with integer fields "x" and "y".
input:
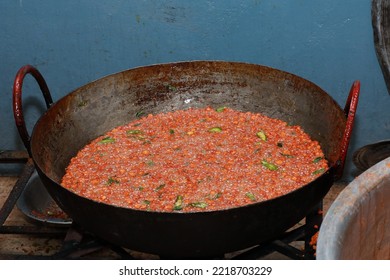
{"x": 328, "y": 172}
{"x": 260, "y": 215}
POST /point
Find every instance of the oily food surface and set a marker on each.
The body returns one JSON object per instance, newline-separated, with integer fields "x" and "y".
{"x": 195, "y": 160}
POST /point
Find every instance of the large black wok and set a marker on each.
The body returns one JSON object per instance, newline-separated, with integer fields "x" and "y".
{"x": 93, "y": 109}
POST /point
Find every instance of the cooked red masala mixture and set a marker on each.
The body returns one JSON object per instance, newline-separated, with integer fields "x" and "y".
{"x": 195, "y": 160}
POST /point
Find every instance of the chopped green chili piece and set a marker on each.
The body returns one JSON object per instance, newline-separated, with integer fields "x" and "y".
{"x": 159, "y": 187}
{"x": 112, "y": 180}
{"x": 251, "y": 196}
{"x": 215, "y": 196}
{"x": 286, "y": 155}
{"x": 199, "y": 204}
{"x": 147, "y": 203}
{"x": 319, "y": 171}
{"x": 149, "y": 162}
{"x": 261, "y": 135}
{"x": 317, "y": 159}
{"x": 106, "y": 140}
{"x": 140, "y": 188}
{"x": 171, "y": 131}
{"x": 133, "y": 132}
{"x": 215, "y": 129}
{"x": 136, "y": 134}
{"x": 269, "y": 165}
{"x": 178, "y": 205}
{"x": 220, "y": 109}
{"x": 139, "y": 114}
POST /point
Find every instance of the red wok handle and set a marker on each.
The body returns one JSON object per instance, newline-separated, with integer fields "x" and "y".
{"x": 17, "y": 100}
{"x": 350, "y": 112}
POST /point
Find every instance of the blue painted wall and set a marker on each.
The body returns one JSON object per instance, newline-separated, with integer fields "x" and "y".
{"x": 75, "y": 42}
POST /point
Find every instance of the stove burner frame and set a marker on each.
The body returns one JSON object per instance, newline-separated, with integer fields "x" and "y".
{"x": 77, "y": 244}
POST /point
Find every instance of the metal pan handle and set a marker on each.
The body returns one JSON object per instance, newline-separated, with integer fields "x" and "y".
{"x": 350, "y": 112}
{"x": 17, "y": 100}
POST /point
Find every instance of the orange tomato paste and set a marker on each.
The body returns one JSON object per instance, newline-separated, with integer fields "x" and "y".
{"x": 198, "y": 159}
